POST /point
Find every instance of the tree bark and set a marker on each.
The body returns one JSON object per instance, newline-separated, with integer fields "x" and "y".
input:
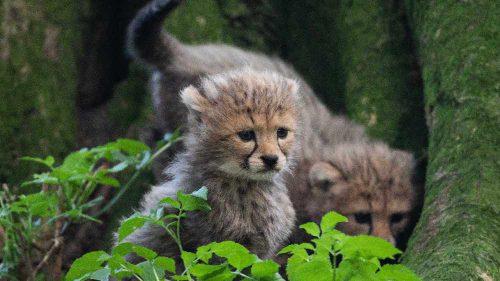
{"x": 38, "y": 42}
{"x": 383, "y": 84}
{"x": 457, "y": 237}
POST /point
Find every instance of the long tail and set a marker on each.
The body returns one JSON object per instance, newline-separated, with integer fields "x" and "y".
{"x": 145, "y": 37}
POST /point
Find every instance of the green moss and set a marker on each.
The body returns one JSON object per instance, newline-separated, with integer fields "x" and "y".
{"x": 457, "y": 236}
{"x": 37, "y": 82}
{"x": 198, "y": 22}
{"x": 382, "y": 91}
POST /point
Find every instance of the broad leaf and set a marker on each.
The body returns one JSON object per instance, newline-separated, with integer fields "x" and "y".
{"x": 317, "y": 269}
{"x": 368, "y": 247}
{"x": 124, "y": 249}
{"x": 192, "y": 203}
{"x": 49, "y": 161}
{"x": 165, "y": 263}
{"x": 129, "y": 225}
{"x": 170, "y": 201}
{"x": 87, "y": 264}
{"x": 236, "y": 255}
{"x": 200, "y": 270}
{"x": 311, "y": 228}
{"x": 330, "y": 220}
{"x": 397, "y": 272}
{"x": 132, "y": 147}
{"x": 263, "y": 269}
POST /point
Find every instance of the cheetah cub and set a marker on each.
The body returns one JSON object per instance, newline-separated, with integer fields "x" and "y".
{"x": 243, "y": 135}
{"x": 369, "y": 183}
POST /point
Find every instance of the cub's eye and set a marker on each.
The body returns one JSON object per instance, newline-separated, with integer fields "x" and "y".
{"x": 363, "y": 218}
{"x": 397, "y": 217}
{"x": 282, "y": 133}
{"x": 247, "y": 135}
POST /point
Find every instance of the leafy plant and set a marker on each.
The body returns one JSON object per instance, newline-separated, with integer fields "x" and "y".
{"x": 33, "y": 225}
{"x": 32, "y": 228}
{"x": 358, "y": 257}
{"x": 331, "y": 255}
{"x": 238, "y": 261}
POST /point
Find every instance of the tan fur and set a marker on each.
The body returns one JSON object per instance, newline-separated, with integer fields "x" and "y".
{"x": 250, "y": 204}
{"x": 367, "y": 182}
{"x": 176, "y": 65}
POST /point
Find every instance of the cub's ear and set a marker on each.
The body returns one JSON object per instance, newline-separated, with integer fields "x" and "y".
{"x": 404, "y": 160}
{"x": 292, "y": 86}
{"x": 194, "y": 100}
{"x": 324, "y": 175}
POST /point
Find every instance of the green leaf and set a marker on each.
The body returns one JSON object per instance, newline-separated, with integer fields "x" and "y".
{"x": 132, "y": 147}
{"x": 397, "y": 272}
{"x": 295, "y": 248}
{"x": 181, "y": 277}
{"x": 108, "y": 181}
{"x": 170, "y": 201}
{"x": 49, "y": 161}
{"x": 192, "y": 203}
{"x": 368, "y": 247}
{"x": 101, "y": 274}
{"x": 204, "y": 253}
{"x": 236, "y": 255}
{"x": 356, "y": 269}
{"x": 201, "y": 193}
{"x": 331, "y": 239}
{"x": 131, "y": 224}
{"x": 311, "y": 228}
{"x": 79, "y": 162}
{"x": 119, "y": 167}
{"x": 200, "y": 270}
{"x": 126, "y": 248}
{"x": 38, "y": 204}
{"x": 317, "y": 269}
{"x": 44, "y": 178}
{"x": 92, "y": 203}
{"x": 188, "y": 257}
{"x": 120, "y": 268}
{"x": 165, "y": 263}
{"x": 330, "y": 220}
{"x": 150, "y": 271}
{"x": 263, "y": 269}
{"x": 87, "y": 264}
{"x": 73, "y": 214}
{"x": 224, "y": 274}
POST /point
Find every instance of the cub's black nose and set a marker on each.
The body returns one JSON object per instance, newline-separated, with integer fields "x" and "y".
{"x": 269, "y": 160}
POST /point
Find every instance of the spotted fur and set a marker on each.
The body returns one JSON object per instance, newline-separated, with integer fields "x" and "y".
{"x": 250, "y": 203}
{"x": 369, "y": 183}
{"x": 175, "y": 65}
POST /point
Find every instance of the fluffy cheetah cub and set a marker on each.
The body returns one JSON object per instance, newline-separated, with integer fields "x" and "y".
{"x": 242, "y": 136}
{"x": 369, "y": 183}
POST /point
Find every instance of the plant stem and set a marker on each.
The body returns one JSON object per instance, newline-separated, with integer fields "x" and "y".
{"x": 179, "y": 230}
{"x": 134, "y": 177}
{"x": 243, "y": 275}
{"x": 334, "y": 266}
{"x": 115, "y": 198}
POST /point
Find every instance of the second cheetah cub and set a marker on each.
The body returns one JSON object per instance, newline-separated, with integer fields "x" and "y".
{"x": 243, "y": 134}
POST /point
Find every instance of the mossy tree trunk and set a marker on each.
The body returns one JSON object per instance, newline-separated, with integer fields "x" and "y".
{"x": 38, "y": 43}
{"x": 383, "y": 85}
{"x": 458, "y": 236}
